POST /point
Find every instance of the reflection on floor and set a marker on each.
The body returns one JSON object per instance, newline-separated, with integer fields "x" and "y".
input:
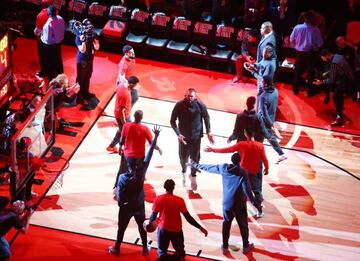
{"x": 308, "y": 214}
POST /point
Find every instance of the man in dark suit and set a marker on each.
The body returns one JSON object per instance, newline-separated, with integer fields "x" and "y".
{"x": 267, "y": 38}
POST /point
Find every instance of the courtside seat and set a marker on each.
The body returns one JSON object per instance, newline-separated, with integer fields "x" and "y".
{"x": 180, "y": 36}
{"x": 224, "y": 40}
{"x": 114, "y": 29}
{"x": 202, "y": 38}
{"x": 159, "y": 31}
{"x": 76, "y": 9}
{"x": 98, "y": 14}
{"x": 138, "y": 26}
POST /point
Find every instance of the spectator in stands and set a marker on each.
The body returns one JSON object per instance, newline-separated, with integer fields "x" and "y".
{"x": 339, "y": 76}
{"x": 154, "y": 6}
{"x": 19, "y": 218}
{"x": 255, "y": 12}
{"x": 248, "y": 53}
{"x": 283, "y": 16}
{"x": 267, "y": 106}
{"x": 122, "y": 110}
{"x": 187, "y": 120}
{"x": 170, "y": 226}
{"x": 236, "y": 190}
{"x": 192, "y": 9}
{"x": 86, "y": 44}
{"x": 247, "y": 119}
{"x": 126, "y": 69}
{"x": 307, "y": 40}
{"x": 220, "y": 11}
{"x": 52, "y": 36}
{"x": 131, "y": 197}
{"x": 357, "y": 72}
{"x": 41, "y": 19}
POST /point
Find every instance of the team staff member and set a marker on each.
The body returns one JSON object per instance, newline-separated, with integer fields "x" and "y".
{"x": 122, "y": 109}
{"x": 126, "y": 69}
{"x": 170, "y": 226}
{"x": 41, "y": 19}
{"x": 52, "y": 35}
{"x": 131, "y": 197}
{"x": 190, "y": 114}
{"x": 339, "y": 76}
{"x": 85, "y": 58}
{"x": 252, "y": 153}
{"x": 236, "y": 189}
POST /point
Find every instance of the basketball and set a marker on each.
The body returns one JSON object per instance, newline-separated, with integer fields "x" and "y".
{"x": 150, "y": 227}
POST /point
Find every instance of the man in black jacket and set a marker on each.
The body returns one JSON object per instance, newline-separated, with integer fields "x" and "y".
{"x": 190, "y": 114}
{"x": 130, "y": 196}
{"x": 247, "y": 119}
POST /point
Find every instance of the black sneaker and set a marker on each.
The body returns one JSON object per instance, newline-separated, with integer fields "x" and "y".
{"x": 114, "y": 251}
{"x": 225, "y": 250}
{"x": 248, "y": 248}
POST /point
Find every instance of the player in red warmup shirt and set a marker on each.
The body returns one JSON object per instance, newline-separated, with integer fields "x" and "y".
{"x": 170, "y": 226}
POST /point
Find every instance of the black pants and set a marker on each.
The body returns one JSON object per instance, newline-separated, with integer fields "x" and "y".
{"x": 240, "y": 214}
{"x": 84, "y": 72}
{"x": 42, "y": 58}
{"x": 338, "y": 98}
{"x": 302, "y": 63}
{"x": 256, "y": 185}
{"x": 176, "y": 239}
{"x": 124, "y": 216}
{"x": 134, "y": 97}
{"x": 52, "y": 60}
{"x": 117, "y": 136}
{"x": 192, "y": 150}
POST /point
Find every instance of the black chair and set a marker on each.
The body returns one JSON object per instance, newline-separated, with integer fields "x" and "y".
{"x": 159, "y": 32}
{"x": 241, "y": 34}
{"x": 76, "y": 10}
{"x": 98, "y": 14}
{"x": 202, "y": 39}
{"x": 180, "y": 36}
{"x": 138, "y": 28}
{"x": 223, "y": 45}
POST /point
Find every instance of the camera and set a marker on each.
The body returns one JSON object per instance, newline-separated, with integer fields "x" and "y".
{"x": 85, "y": 28}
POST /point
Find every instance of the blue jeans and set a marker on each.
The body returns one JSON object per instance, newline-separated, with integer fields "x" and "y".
{"x": 177, "y": 241}
{"x": 4, "y": 248}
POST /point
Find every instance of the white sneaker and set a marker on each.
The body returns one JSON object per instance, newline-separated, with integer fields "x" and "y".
{"x": 281, "y": 158}
{"x": 193, "y": 182}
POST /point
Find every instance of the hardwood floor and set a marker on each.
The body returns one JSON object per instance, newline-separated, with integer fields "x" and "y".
{"x": 311, "y": 206}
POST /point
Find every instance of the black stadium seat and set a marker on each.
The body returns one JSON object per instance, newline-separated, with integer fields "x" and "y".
{"x": 138, "y": 26}
{"x": 180, "y": 36}
{"x": 159, "y": 31}
{"x": 223, "y": 44}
